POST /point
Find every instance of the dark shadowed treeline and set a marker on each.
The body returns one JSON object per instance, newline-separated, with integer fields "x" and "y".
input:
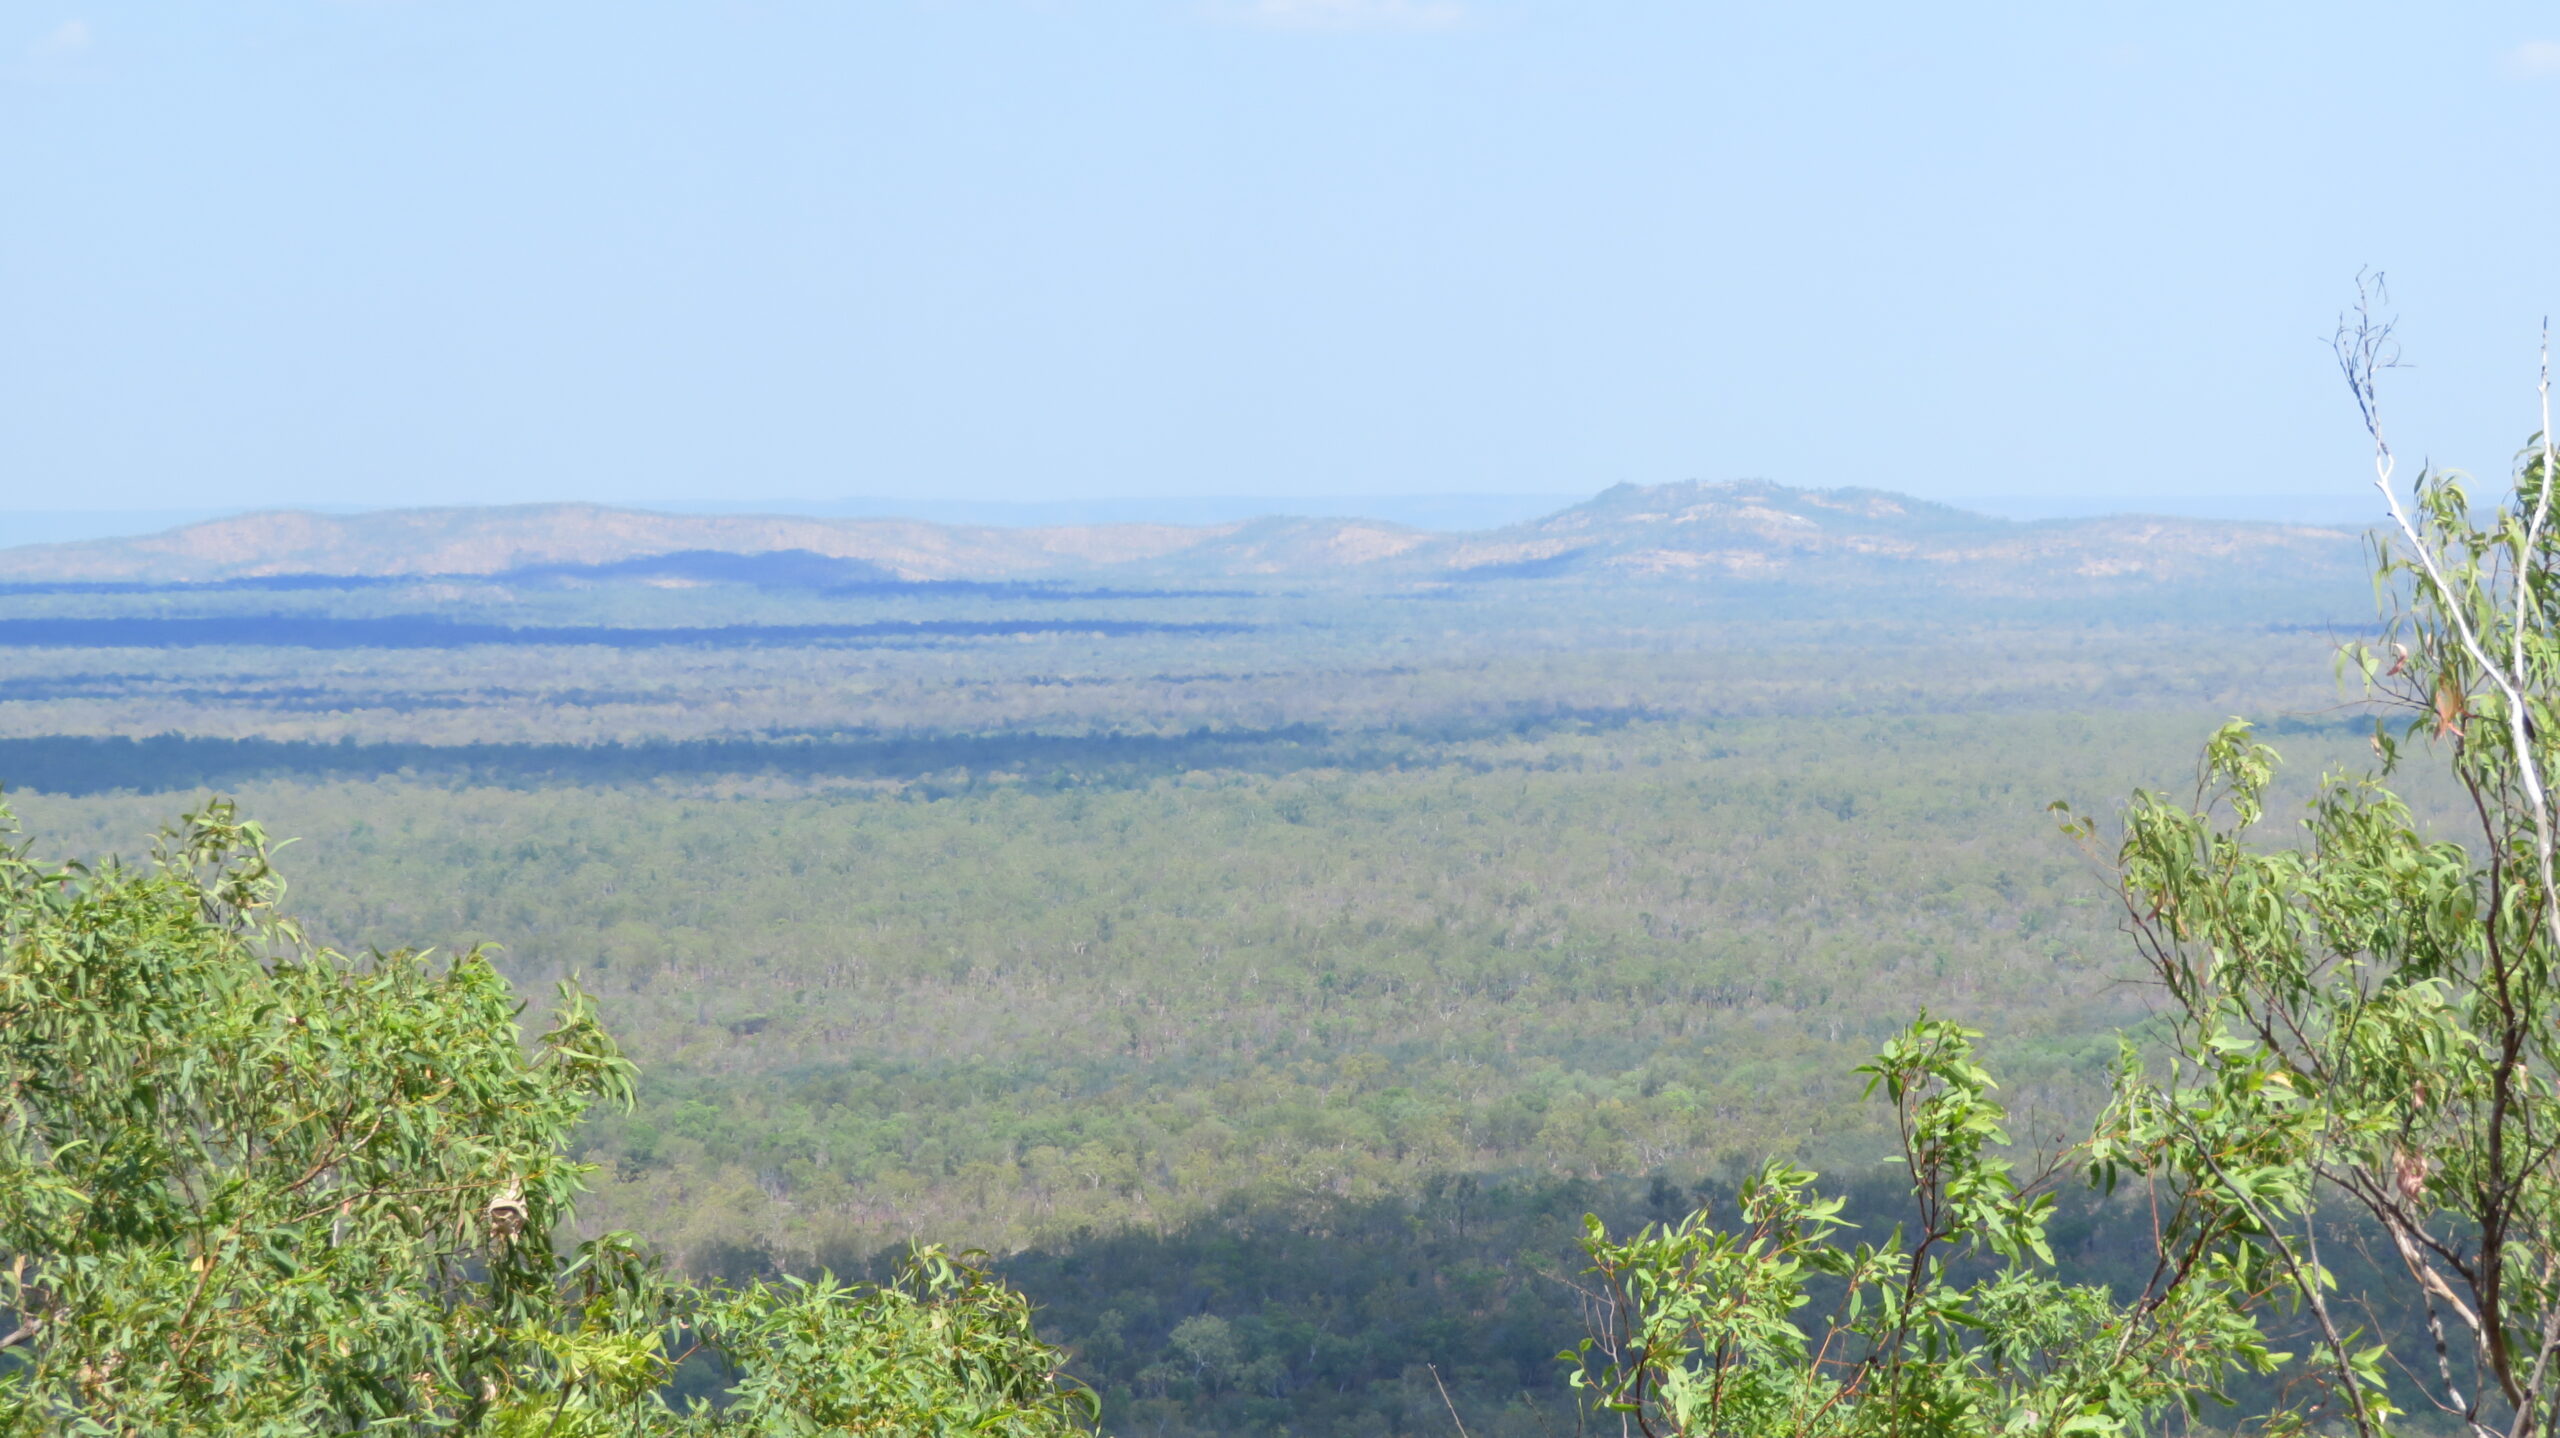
{"x": 1330, "y": 1316}
{"x": 84, "y": 764}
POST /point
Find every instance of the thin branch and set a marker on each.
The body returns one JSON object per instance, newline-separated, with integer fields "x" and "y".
{"x": 2362, "y": 354}
{"x": 2304, "y": 1283}
{"x": 1444, "y": 1399}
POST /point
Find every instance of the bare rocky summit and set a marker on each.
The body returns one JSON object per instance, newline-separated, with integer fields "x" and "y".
{"x": 1754, "y": 530}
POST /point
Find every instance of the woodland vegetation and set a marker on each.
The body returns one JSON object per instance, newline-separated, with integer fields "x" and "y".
{"x": 1272, "y": 983}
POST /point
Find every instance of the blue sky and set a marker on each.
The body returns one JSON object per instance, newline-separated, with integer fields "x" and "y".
{"x": 369, "y": 252}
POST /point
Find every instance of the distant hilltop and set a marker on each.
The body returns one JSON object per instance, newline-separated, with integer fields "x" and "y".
{"x": 1745, "y": 530}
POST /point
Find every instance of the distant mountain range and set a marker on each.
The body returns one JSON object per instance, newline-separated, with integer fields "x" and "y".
{"x": 1746, "y": 531}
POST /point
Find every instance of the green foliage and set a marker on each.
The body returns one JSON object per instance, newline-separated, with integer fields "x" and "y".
{"x": 2365, "y": 1017}
{"x": 249, "y": 1184}
{"x": 1956, "y": 1325}
{"x": 940, "y": 1349}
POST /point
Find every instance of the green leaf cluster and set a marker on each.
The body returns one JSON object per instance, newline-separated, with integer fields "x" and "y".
{"x": 1954, "y": 1324}
{"x": 2363, "y": 1015}
{"x": 252, "y": 1185}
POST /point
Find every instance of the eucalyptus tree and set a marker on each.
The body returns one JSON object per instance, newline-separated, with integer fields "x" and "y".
{"x": 1955, "y": 1323}
{"x": 2378, "y": 1001}
{"x": 2358, "y": 1044}
{"x": 248, "y": 1184}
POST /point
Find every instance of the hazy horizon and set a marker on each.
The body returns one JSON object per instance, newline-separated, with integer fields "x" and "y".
{"x": 1453, "y": 512}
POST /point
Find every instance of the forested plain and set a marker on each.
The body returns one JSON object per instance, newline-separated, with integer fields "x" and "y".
{"x": 1270, "y": 977}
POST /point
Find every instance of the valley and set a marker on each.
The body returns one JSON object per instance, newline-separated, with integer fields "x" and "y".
{"x": 1150, "y": 917}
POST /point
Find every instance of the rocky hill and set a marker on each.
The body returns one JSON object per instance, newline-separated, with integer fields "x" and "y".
{"x": 1753, "y": 530}
{"x": 502, "y": 539}
{"x": 1738, "y": 531}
